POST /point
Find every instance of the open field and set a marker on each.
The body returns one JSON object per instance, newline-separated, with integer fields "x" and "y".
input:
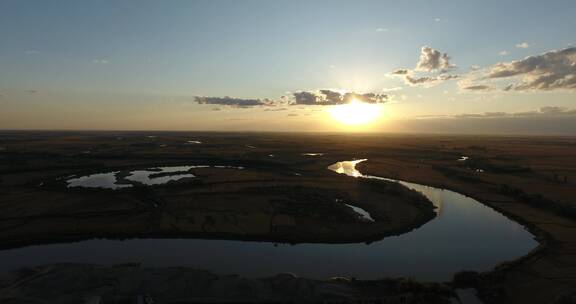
{"x": 285, "y": 193}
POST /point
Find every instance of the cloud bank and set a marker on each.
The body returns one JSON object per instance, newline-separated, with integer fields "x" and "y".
{"x": 330, "y": 97}
{"x": 324, "y": 97}
{"x": 552, "y": 70}
{"x": 543, "y": 112}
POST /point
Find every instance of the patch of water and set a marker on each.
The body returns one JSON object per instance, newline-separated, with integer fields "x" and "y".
{"x": 363, "y": 213}
{"x": 150, "y": 177}
{"x": 99, "y": 180}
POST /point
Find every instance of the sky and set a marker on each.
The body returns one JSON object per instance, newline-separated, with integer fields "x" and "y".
{"x": 493, "y": 67}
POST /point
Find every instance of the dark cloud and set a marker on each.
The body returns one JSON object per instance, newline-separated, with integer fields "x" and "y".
{"x": 232, "y": 102}
{"x": 305, "y": 98}
{"x": 549, "y": 71}
{"x": 321, "y": 97}
{"x": 478, "y": 88}
{"x": 433, "y": 60}
{"x": 330, "y": 97}
{"x": 400, "y": 72}
{"x": 419, "y": 80}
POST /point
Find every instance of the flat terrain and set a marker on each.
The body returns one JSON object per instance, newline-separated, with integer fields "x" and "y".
{"x": 236, "y": 193}
{"x": 530, "y": 179}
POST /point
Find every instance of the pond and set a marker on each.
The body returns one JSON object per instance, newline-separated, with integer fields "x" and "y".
{"x": 148, "y": 177}
{"x": 465, "y": 235}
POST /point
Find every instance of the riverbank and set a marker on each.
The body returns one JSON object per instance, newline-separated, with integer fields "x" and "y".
{"x": 549, "y": 271}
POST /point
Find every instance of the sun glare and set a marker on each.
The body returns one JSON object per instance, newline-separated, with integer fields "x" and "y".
{"x": 355, "y": 113}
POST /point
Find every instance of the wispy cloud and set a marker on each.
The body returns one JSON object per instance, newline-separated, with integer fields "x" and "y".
{"x": 480, "y": 87}
{"x": 549, "y": 111}
{"x": 428, "y": 80}
{"x": 232, "y": 102}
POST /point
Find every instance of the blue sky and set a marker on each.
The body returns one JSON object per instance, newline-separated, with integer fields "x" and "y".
{"x": 140, "y": 55}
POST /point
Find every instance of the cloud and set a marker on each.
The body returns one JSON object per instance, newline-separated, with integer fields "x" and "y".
{"x": 394, "y": 89}
{"x": 523, "y": 45}
{"x": 428, "y": 80}
{"x": 400, "y": 72}
{"x": 381, "y": 29}
{"x": 320, "y": 97}
{"x": 100, "y": 61}
{"x": 419, "y": 80}
{"x": 479, "y": 87}
{"x": 331, "y": 97}
{"x": 432, "y": 65}
{"x": 552, "y": 110}
{"x": 232, "y": 102}
{"x": 503, "y": 53}
{"x": 549, "y": 71}
{"x": 433, "y": 60}
{"x": 306, "y": 98}
{"x": 549, "y": 111}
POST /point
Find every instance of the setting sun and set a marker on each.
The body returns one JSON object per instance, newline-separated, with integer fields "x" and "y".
{"x": 355, "y": 113}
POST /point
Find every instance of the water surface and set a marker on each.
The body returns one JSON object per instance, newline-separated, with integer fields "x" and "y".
{"x": 149, "y": 177}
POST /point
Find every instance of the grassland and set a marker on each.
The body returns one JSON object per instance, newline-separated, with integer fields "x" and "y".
{"x": 529, "y": 179}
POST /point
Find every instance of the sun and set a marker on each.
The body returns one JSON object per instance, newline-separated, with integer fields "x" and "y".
{"x": 355, "y": 113}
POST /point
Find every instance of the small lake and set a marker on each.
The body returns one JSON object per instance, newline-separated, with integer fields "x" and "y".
{"x": 149, "y": 177}
{"x": 465, "y": 235}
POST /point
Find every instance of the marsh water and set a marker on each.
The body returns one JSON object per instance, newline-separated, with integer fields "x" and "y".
{"x": 148, "y": 177}
{"x": 465, "y": 235}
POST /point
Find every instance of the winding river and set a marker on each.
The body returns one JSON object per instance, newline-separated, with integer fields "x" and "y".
{"x": 465, "y": 235}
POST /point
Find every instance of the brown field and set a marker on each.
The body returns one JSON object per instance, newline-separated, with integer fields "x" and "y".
{"x": 287, "y": 196}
